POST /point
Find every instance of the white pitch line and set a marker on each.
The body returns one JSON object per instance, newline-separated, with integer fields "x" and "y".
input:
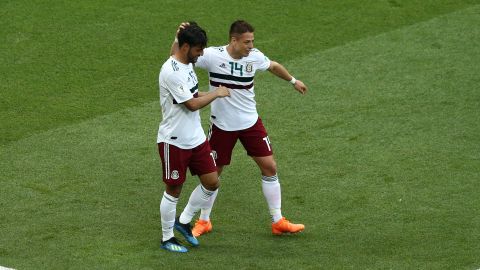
{"x": 5, "y": 268}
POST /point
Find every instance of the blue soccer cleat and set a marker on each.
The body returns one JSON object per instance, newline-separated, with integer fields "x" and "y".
{"x": 173, "y": 246}
{"x": 186, "y": 231}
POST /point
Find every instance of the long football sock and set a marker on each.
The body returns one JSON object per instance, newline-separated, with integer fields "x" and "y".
{"x": 205, "y": 212}
{"x": 168, "y": 209}
{"x": 198, "y": 199}
{"x": 273, "y": 195}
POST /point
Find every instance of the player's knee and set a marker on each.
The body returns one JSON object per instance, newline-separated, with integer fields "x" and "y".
{"x": 212, "y": 186}
{"x": 270, "y": 168}
{"x": 173, "y": 190}
{"x": 210, "y": 181}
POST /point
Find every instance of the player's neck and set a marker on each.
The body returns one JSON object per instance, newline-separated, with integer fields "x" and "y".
{"x": 232, "y": 53}
{"x": 180, "y": 58}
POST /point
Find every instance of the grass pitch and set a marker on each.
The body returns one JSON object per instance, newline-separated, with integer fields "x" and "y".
{"x": 380, "y": 159}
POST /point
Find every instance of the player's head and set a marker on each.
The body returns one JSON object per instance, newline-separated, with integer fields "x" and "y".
{"x": 241, "y": 37}
{"x": 192, "y": 39}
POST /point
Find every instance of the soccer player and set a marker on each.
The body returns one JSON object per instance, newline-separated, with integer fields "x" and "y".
{"x": 181, "y": 140}
{"x": 236, "y": 118}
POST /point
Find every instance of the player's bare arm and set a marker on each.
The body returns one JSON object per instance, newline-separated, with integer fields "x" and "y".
{"x": 280, "y": 71}
{"x": 201, "y": 94}
{"x": 175, "y": 47}
{"x": 206, "y": 98}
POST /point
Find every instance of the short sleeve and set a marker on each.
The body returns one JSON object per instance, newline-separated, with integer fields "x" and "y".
{"x": 262, "y": 60}
{"x": 202, "y": 61}
{"x": 178, "y": 88}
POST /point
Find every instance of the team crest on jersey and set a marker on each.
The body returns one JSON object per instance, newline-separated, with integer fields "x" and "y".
{"x": 249, "y": 67}
{"x": 223, "y": 65}
{"x": 175, "y": 175}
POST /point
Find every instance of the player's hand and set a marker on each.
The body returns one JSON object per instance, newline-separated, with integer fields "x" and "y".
{"x": 180, "y": 27}
{"x": 222, "y": 91}
{"x": 300, "y": 87}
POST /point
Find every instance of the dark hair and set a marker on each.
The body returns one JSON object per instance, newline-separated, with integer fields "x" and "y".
{"x": 239, "y": 27}
{"x": 193, "y": 35}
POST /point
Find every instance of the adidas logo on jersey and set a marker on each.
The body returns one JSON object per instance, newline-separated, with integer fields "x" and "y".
{"x": 174, "y": 66}
{"x": 223, "y": 65}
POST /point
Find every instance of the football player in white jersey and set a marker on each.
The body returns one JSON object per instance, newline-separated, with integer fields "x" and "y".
{"x": 181, "y": 140}
{"x": 236, "y": 118}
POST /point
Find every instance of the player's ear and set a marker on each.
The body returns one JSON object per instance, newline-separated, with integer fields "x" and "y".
{"x": 185, "y": 47}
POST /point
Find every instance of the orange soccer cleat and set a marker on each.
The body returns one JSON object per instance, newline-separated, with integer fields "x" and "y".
{"x": 201, "y": 227}
{"x": 284, "y": 226}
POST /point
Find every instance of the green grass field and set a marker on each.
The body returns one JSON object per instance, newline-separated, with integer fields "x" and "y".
{"x": 380, "y": 160}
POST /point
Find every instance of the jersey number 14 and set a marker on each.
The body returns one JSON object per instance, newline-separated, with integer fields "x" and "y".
{"x": 235, "y": 66}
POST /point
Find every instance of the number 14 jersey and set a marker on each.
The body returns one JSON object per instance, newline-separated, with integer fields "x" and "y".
{"x": 239, "y": 110}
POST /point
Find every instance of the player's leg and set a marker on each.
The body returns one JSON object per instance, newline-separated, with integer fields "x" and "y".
{"x": 203, "y": 224}
{"x": 266, "y": 164}
{"x": 200, "y": 196}
{"x": 270, "y": 185}
{"x": 222, "y": 144}
{"x": 258, "y": 146}
{"x": 202, "y": 164}
{"x": 168, "y": 206}
{"x": 168, "y": 203}
{"x": 273, "y": 195}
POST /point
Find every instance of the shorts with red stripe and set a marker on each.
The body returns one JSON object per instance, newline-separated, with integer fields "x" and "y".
{"x": 175, "y": 162}
{"x": 254, "y": 139}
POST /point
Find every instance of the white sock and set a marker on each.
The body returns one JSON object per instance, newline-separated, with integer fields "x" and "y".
{"x": 198, "y": 199}
{"x": 168, "y": 208}
{"x": 205, "y": 213}
{"x": 273, "y": 195}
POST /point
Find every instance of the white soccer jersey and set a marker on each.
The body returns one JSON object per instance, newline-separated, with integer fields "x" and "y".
{"x": 239, "y": 111}
{"x": 180, "y": 126}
